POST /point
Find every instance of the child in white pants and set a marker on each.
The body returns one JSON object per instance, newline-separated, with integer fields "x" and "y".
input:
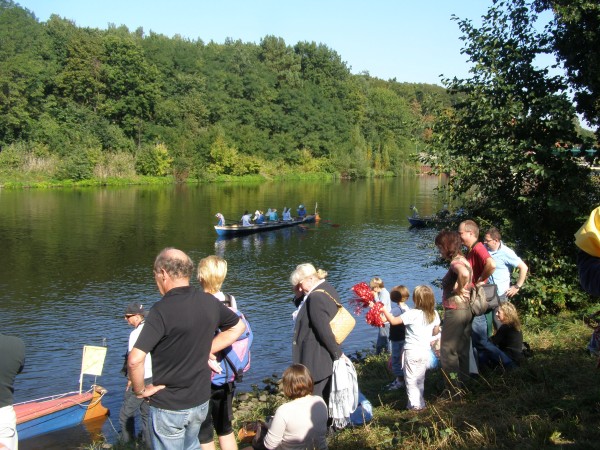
{"x": 421, "y": 323}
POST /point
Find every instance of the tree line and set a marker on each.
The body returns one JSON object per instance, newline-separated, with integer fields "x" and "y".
{"x": 83, "y": 102}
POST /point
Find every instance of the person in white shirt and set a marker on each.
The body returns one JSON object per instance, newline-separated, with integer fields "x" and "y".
{"x": 422, "y": 323}
{"x": 134, "y": 315}
{"x": 246, "y": 219}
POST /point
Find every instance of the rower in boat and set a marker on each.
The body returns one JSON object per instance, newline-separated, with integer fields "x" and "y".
{"x": 301, "y": 212}
{"x": 287, "y": 215}
{"x": 259, "y": 217}
{"x": 246, "y": 219}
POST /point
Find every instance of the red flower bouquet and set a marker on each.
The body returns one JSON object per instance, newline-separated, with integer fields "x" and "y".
{"x": 364, "y": 298}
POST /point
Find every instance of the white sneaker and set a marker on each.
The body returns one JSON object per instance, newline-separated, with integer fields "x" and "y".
{"x": 396, "y": 384}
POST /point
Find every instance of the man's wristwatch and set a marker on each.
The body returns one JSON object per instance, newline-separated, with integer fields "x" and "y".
{"x": 517, "y": 286}
{"x": 141, "y": 392}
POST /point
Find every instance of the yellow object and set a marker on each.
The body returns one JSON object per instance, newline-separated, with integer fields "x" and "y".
{"x": 587, "y": 237}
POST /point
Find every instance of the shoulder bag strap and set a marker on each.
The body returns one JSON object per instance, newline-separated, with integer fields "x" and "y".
{"x": 329, "y": 295}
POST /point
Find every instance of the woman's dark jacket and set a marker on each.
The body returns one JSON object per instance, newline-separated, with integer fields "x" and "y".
{"x": 314, "y": 344}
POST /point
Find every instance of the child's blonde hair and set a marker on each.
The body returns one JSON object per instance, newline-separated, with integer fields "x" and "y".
{"x": 212, "y": 270}
{"x": 376, "y": 282}
{"x": 399, "y": 294}
{"x": 425, "y": 301}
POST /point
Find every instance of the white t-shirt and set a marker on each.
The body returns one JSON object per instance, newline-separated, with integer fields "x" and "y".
{"x": 418, "y": 332}
{"x": 148, "y": 361}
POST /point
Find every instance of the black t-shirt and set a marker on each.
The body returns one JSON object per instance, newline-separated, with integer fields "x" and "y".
{"x": 510, "y": 341}
{"x": 178, "y": 332}
{"x": 398, "y": 332}
{"x": 12, "y": 359}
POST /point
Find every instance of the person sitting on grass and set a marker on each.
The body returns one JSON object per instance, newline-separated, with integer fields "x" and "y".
{"x": 398, "y": 296}
{"x": 421, "y": 323}
{"x": 300, "y": 423}
{"x": 508, "y": 341}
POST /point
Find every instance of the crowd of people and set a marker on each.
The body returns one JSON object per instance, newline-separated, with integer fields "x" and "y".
{"x": 183, "y": 333}
{"x": 464, "y": 343}
{"x": 173, "y": 348}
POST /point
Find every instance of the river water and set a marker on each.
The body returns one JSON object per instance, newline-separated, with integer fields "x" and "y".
{"x": 74, "y": 258}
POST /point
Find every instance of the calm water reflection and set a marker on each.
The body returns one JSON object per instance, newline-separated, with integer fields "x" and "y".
{"x": 73, "y": 259}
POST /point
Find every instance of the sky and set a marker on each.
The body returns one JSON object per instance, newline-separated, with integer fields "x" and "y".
{"x": 411, "y": 41}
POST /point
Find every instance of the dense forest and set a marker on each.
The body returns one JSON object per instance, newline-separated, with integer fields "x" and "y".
{"x": 79, "y": 102}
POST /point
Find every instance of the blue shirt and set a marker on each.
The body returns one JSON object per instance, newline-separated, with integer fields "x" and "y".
{"x": 506, "y": 260}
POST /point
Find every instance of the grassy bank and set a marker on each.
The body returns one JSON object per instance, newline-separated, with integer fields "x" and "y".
{"x": 552, "y": 401}
{"x": 16, "y": 182}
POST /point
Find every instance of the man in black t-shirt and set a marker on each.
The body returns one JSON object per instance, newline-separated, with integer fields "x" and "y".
{"x": 179, "y": 333}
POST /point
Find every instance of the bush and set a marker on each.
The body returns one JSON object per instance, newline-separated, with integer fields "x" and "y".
{"x": 115, "y": 165}
{"x": 12, "y": 156}
{"x": 79, "y": 166}
{"x": 154, "y": 160}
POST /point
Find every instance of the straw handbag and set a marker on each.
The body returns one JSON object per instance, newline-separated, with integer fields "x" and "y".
{"x": 343, "y": 322}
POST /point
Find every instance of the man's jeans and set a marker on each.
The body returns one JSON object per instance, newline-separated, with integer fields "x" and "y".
{"x": 177, "y": 430}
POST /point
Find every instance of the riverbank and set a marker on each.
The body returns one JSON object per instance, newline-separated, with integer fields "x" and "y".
{"x": 552, "y": 400}
{"x": 148, "y": 180}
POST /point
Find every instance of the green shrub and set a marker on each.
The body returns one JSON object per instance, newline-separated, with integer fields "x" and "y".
{"x": 79, "y": 166}
{"x": 115, "y": 165}
{"x": 154, "y": 160}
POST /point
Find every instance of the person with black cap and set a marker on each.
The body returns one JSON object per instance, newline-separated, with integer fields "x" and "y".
{"x": 134, "y": 315}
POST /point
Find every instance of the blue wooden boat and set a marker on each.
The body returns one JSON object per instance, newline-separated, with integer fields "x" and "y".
{"x": 60, "y": 411}
{"x": 56, "y": 412}
{"x": 239, "y": 230}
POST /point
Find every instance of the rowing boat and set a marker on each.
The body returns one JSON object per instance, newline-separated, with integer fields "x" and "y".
{"x": 56, "y": 412}
{"x": 238, "y": 230}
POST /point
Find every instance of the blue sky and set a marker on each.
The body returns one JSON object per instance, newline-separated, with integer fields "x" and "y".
{"x": 413, "y": 41}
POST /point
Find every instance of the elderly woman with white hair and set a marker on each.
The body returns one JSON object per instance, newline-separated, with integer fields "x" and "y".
{"x": 314, "y": 344}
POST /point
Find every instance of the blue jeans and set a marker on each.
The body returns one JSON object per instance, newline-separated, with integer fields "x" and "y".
{"x": 495, "y": 358}
{"x": 177, "y": 430}
{"x": 481, "y": 341}
{"x": 383, "y": 339}
{"x": 397, "y": 348}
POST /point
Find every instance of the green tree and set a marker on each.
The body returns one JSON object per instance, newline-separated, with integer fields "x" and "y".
{"x": 24, "y": 70}
{"x": 132, "y": 84}
{"x": 576, "y": 33}
{"x": 499, "y": 139}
